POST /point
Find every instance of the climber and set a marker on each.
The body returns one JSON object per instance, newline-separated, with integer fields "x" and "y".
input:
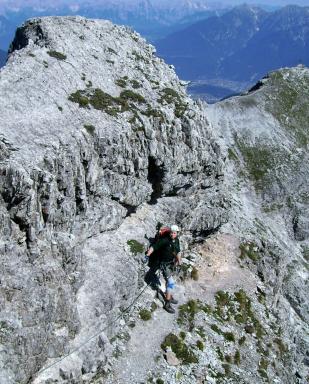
{"x": 168, "y": 255}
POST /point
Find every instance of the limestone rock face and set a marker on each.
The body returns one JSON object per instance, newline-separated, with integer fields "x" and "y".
{"x": 93, "y": 126}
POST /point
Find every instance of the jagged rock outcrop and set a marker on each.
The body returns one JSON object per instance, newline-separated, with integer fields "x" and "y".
{"x": 93, "y": 126}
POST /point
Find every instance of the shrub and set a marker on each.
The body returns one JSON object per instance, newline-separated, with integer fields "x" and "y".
{"x": 121, "y": 82}
{"x": 132, "y": 96}
{"x": 89, "y": 128}
{"x": 57, "y": 55}
{"x": 153, "y": 306}
{"x": 281, "y": 346}
{"x": 180, "y": 349}
{"x": 227, "y": 369}
{"x": 182, "y": 334}
{"x": 200, "y": 345}
{"x": 145, "y": 314}
{"x": 228, "y": 358}
{"x": 237, "y": 357}
{"x": 103, "y": 101}
{"x": 249, "y": 250}
{"x": 216, "y": 329}
{"x": 79, "y": 98}
{"x": 194, "y": 274}
{"x": 229, "y": 336}
{"x": 135, "y": 84}
{"x": 170, "y": 96}
{"x": 187, "y": 313}
{"x": 135, "y": 247}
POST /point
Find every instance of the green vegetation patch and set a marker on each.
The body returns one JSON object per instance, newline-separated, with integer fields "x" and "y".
{"x": 227, "y": 369}
{"x": 187, "y": 312}
{"x": 153, "y": 306}
{"x": 132, "y": 96}
{"x": 237, "y": 307}
{"x": 237, "y": 357}
{"x": 194, "y": 274}
{"x": 232, "y": 155}
{"x": 139, "y": 57}
{"x": 135, "y": 84}
{"x": 281, "y": 346}
{"x": 228, "y": 336}
{"x": 249, "y": 250}
{"x": 260, "y": 161}
{"x": 135, "y": 246}
{"x": 154, "y": 113}
{"x": 200, "y": 345}
{"x": 182, "y": 334}
{"x": 124, "y": 81}
{"x": 145, "y": 314}
{"x": 180, "y": 348}
{"x": 105, "y": 102}
{"x": 201, "y": 332}
{"x": 121, "y": 82}
{"x": 57, "y": 55}
{"x": 170, "y": 96}
{"x": 90, "y": 128}
{"x": 79, "y": 98}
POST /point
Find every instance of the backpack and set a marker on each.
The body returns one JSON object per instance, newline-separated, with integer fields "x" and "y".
{"x": 163, "y": 231}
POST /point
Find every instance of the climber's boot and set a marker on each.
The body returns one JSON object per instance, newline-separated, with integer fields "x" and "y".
{"x": 168, "y": 307}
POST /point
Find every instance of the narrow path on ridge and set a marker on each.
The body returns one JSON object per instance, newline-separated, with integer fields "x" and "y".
{"x": 218, "y": 270}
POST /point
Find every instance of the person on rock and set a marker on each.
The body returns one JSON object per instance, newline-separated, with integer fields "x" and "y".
{"x": 168, "y": 250}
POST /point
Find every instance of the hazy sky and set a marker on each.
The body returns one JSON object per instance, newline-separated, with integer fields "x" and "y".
{"x": 56, "y": 3}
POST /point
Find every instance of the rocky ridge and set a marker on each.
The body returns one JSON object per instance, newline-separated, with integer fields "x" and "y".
{"x": 91, "y": 163}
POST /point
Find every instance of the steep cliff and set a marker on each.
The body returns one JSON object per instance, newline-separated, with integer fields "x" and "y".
{"x": 99, "y": 142}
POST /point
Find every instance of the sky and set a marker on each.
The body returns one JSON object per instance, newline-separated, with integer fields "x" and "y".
{"x": 56, "y": 3}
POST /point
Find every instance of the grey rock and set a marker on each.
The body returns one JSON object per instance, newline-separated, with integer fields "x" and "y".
{"x": 171, "y": 358}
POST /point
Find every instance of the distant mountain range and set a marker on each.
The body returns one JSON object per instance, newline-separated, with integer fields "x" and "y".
{"x": 154, "y": 19}
{"x": 3, "y": 56}
{"x": 222, "y": 50}
{"x": 240, "y": 45}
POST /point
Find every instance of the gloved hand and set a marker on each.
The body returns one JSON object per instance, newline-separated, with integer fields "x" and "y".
{"x": 146, "y": 258}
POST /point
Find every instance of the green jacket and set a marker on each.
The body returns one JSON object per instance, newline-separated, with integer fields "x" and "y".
{"x": 167, "y": 249}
